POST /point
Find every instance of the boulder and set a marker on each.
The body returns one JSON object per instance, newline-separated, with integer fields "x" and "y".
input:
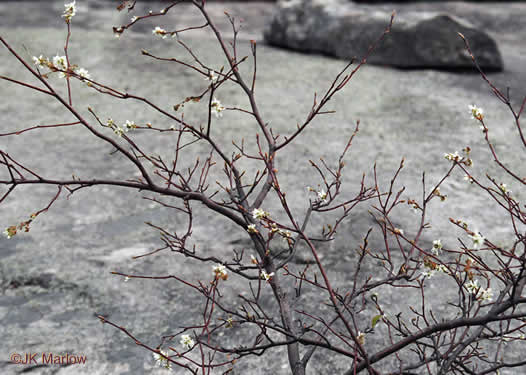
{"x": 417, "y": 39}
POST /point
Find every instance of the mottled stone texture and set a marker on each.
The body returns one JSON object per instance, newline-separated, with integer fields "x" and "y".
{"x": 417, "y": 39}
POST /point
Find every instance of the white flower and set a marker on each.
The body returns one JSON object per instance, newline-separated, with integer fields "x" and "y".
{"x": 252, "y": 228}
{"x": 476, "y": 113}
{"x": 253, "y": 259}
{"x": 83, "y": 73}
{"x": 322, "y": 195}
{"x": 217, "y": 107}
{"x": 134, "y": 18}
{"x": 285, "y": 234}
{"x": 220, "y": 272}
{"x": 486, "y": 295}
{"x": 259, "y": 214}
{"x": 473, "y": 286}
{"x": 442, "y": 268}
{"x": 9, "y": 232}
{"x": 437, "y": 246}
{"x": 160, "y": 32}
{"x": 266, "y": 276}
{"x": 428, "y": 273}
{"x": 452, "y": 157}
{"x": 126, "y": 279}
{"x": 504, "y": 189}
{"x": 69, "y": 11}
{"x": 119, "y": 131}
{"x": 468, "y": 178}
{"x": 211, "y": 77}
{"x": 187, "y": 342}
{"x": 40, "y": 61}
{"x": 60, "y": 62}
{"x": 478, "y": 240}
{"x": 398, "y": 231}
{"x": 162, "y": 361}
{"x": 129, "y": 125}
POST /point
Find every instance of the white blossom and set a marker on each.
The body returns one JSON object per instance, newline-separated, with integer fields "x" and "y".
{"x": 40, "y": 61}
{"x": 322, "y": 195}
{"x": 160, "y": 32}
{"x": 83, "y": 73}
{"x": 473, "y": 286}
{"x": 217, "y": 108}
{"x": 486, "y": 295}
{"x": 428, "y": 273}
{"x": 187, "y": 342}
{"x": 129, "y": 125}
{"x": 437, "y": 246}
{"x": 504, "y": 189}
{"x": 252, "y": 228}
{"x": 211, "y": 77}
{"x": 162, "y": 361}
{"x": 69, "y": 11}
{"x": 476, "y": 112}
{"x": 266, "y": 276}
{"x": 119, "y": 131}
{"x": 452, "y": 157}
{"x": 9, "y": 232}
{"x": 60, "y": 62}
{"x": 220, "y": 272}
{"x": 478, "y": 240}
{"x": 468, "y": 178}
{"x": 259, "y": 214}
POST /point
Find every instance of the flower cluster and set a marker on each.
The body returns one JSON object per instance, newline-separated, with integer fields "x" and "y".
{"x": 476, "y": 112}
{"x": 437, "y": 246}
{"x": 456, "y": 157}
{"x": 287, "y": 236}
{"x": 211, "y": 77}
{"x": 60, "y": 64}
{"x": 120, "y": 130}
{"x": 220, "y": 272}
{"x": 321, "y": 194}
{"x": 452, "y": 157}
{"x": 10, "y": 232}
{"x": 217, "y": 108}
{"x": 479, "y": 292}
{"x": 161, "y": 359}
{"x": 439, "y": 194}
{"x": 160, "y": 32}
{"x": 266, "y": 276}
{"x": 259, "y": 214}
{"x": 69, "y": 11}
{"x": 187, "y": 342}
{"x": 469, "y": 178}
{"x": 252, "y": 229}
{"x": 504, "y": 189}
{"x": 478, "y": 239}
{"x": 431, "y": 267}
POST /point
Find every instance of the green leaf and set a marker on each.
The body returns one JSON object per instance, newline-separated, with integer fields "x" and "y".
{"x": 375, "y": 320}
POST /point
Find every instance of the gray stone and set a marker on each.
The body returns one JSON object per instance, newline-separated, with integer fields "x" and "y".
{"x": 416, "y": 40}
